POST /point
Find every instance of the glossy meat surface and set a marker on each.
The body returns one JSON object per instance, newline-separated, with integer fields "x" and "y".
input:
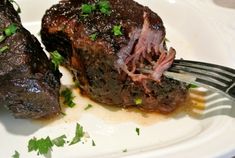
{"x": 102, "y": 67}
{"x": 29, "y": 84}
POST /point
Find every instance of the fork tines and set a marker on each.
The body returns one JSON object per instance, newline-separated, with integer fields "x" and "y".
{"x": 216, "y": 76}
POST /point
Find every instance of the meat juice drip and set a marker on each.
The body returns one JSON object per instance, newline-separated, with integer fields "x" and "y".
{"x": 111, "y": 114}
{"x": 115, "y": 115}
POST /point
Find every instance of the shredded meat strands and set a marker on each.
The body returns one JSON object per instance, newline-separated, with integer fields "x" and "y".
{"x": 145, "y": 57}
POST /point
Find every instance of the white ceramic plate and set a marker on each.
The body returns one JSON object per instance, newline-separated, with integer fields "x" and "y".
{"x": 198, "y": 30}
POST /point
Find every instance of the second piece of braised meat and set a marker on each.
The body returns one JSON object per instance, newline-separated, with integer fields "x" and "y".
{"x": 29, "y": 84}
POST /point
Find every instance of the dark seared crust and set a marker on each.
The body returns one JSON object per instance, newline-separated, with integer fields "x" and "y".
{"x": 29, "y": 85}
{"x": 92, "y": 62}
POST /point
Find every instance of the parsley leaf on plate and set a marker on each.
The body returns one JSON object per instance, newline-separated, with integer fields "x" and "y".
{"x": 41, "y": 146}
{"x": 56, "y": 59}
{"x": 137, "y": 131}
{"x": 79, "y": 133}
{"x": 192, "y": 86}
{"x": 59, "y": 141}
{"x": 68, "y": 97}
{"x": 93, "y": 143}
{"x": 16, "y": 155}
{"x": 88, "y": 107}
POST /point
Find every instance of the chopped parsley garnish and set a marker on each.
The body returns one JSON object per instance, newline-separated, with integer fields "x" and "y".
{"x": 93, "y": 143}
{"x": 16, "y": 155}
{"x": 8, "y": 31}
{"x": 79, "y": 133}
{"x": 87, "y": 8}
{"x": 84, "y": 15}
{"x": 104, "y": 7}
{"x": 137, "y": 131}
{"x": 88, "y": 107}
{"x": 93, "y": 36}
{"x": 124, "y": 151}
{"x": 192, "y": 86}
{"x": 56, "y": 59}
{"x": 59, "y": 141}
{"x": 63, "y": 114}
{"x": 18, "y": 6}
{"x": 166, "y": 40}
{"x": 76, "y": 84}
{"x": 68, "y": 97}
{"x": 4, "y": 48}
{"x": 117, "y": 30}
{"x": 2, "y": 38}
{"x": 138, "y": 101}
{"x": 41, "y": 146}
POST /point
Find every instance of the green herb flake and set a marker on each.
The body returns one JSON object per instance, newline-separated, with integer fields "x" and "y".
{"x": 192, "y": 86}
{"x": 10, "y": 30}
{"x": 137, "y": 131}
{"x": 166, "y": 40}
{"x": 79, "y": 133}
{"x": 117, "y": 30}
{"x": 56, "y": 59}
{"x": 32, "y": 145}
{"x": 2, "y": 38}
{"x": 68, "y": 97}
{"x": 104, "y": 7}
{"x": 41, "y": 146}
{"x": 124, "y": 151}
{"x": 63, "y": 113}
{"x": 84, "y": 15}
{"x": 93, "y": 36}
{"x": 76, "y": 84}
{"x": 4, "y": 48}
{"x": 138, "y": 101}
{"x": 87, "y": 8}
{"x": 16, "y": 155}
{"x": 59, "y": 141}
{"x": 88, "y": 107}
{"x": 93, "y": 143}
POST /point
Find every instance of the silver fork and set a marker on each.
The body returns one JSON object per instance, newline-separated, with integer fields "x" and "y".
{"x": 211, "y": 76}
